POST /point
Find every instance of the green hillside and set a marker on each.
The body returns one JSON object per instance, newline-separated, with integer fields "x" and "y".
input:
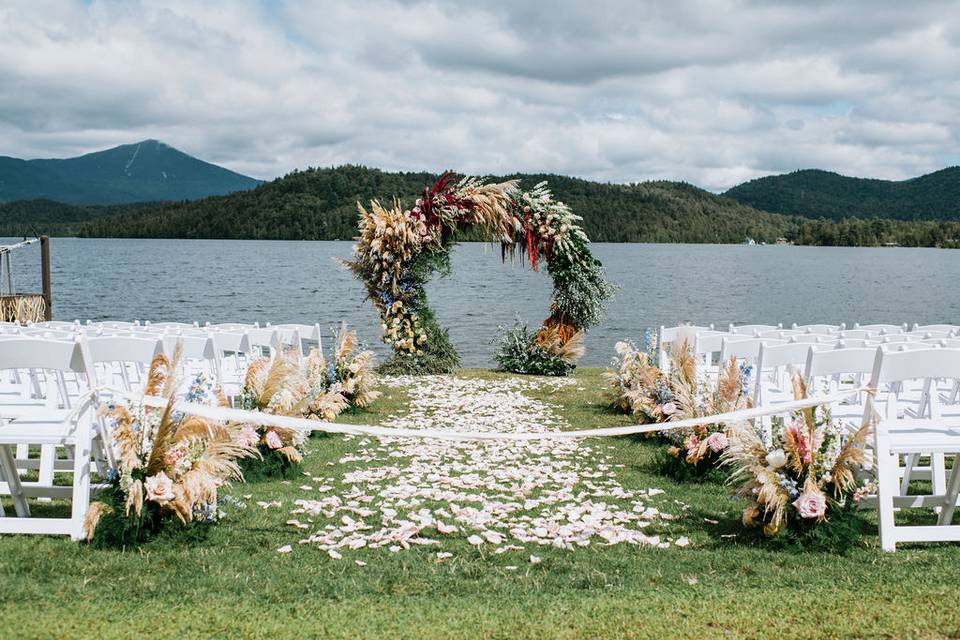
{"x": 821, "y": 194}
{"x": 321, "y": 204}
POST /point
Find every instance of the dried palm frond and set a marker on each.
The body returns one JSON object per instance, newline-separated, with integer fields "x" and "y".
{"x": 291, "y": 454}
{"x": 160, "y": 371}
{"x": 729, "y": 384}
{"x": 569, "y": 350}
{"x": 95, "y": 512}
{"x": 346, "y": 343}
{"x": 682, "y": 361}
{"x": 257, "y": 376}
{"x": 327, "y": 406}
{"x": 125, "y": 438}
{"x": 162, "y": 440}
{"x": 854, "y": 454}
{"x": 135, "y": 498}
{"x": 193, "y": 427}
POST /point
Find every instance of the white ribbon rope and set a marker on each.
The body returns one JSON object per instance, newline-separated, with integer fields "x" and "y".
{"x": 303, "y": 424}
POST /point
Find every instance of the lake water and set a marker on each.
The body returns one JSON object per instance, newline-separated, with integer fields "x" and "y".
{"x": 276, "y": 281}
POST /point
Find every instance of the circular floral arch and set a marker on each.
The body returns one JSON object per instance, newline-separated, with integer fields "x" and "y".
{"x": 398, "y": 251}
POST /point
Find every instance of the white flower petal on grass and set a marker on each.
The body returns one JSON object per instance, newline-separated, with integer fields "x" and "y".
{"x": 360, "y": 563}
{"x": 285, "y": 549}
{"x": 475, "y": 540}
{"x": 534, "y": 559}
{"x": 682, "y": 541}
{"x": 443, "y": 555}
{"x": 333, "y": 553}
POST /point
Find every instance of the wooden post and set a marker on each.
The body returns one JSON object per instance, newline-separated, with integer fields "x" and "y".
{"x": 45, "y": 274}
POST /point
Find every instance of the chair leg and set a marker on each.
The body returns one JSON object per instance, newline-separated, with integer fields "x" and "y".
{"x": 950, "y": 497}
{"x": 938, "y": 473}
{"x": 887, "y": 466}
{"x": 9, "y": 469}
{"x": 81, "y": 481}
{"x": 910, "y": 461}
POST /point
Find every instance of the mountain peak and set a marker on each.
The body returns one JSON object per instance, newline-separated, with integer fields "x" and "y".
{"x": 149, "y": 170}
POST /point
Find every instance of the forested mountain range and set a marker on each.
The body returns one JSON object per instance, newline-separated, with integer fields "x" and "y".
{"x": 320, "y": 204}
{"x": 143, "y": 171}
{"x": 821, "y": 194}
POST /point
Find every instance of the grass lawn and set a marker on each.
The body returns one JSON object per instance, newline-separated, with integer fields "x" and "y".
{"x": 234, "y": 583}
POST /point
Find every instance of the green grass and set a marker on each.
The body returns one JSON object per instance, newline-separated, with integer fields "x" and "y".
{"x": 233, "y": 583}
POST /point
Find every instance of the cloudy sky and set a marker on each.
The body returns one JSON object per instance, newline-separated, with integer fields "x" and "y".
{"x": 713, "y": 91}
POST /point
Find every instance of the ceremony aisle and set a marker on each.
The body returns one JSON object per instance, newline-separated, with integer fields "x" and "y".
{"x": 236, "y": 583}
{"x": 505, "y": 497}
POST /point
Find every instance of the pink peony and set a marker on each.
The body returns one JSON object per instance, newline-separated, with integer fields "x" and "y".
{"x": 273, "y": 440}
{"x": 811, "y": 504}
{"x": 248, "y": 436}
{"x": 717, "y": 441}
{"x": 159, "y": 488}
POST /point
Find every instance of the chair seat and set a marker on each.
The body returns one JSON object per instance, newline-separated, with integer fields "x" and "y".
{"x": 37, "y": 433}
{"x": 914, "y": 435}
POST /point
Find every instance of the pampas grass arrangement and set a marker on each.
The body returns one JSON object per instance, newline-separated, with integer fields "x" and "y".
{"x": 170, "y": 467}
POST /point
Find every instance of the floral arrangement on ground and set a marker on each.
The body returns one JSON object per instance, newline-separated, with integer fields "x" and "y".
{"x": 169, "y": 467}
{"x": 639, "y": 387}
{"x": 806, "y": 473}
{"x": 317, "y": 389}
{"x": 399, "y": 249}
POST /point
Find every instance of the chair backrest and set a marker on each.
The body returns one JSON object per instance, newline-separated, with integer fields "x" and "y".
{"x": 49, "y": 334}
{"x": 899, "y": 337}
{"x": 777, "y": 359}
{"x": 932, "y": 335}
{"x": 228, "y": 342}
{"x": 753, "y": 329}
{"x": 819, "y": 328}
{"x": 124, "y": 349}
{"x": 172, "y": 325}
{"x": 837, "y": 362}
{"x": 32, "y": 352}
{"x": 779, "y": 334}
{"x": 863, "y": 334}
{"x": 813, "y": 338}
{"x": 891, "y": 368}
{"x": 882, "y": 329}
{"x": 747, "y": 349}
{"x": 949, "y": 328}
{"x": 123, "y": 359}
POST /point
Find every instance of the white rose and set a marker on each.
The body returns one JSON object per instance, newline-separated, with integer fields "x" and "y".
{"x": 776, "y": 458}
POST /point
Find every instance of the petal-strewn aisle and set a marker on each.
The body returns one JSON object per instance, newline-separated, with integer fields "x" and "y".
{"x": 500, "y": 496}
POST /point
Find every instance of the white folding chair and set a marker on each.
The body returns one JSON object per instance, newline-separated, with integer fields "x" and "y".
{"x": 774, "y": 365}
{"x": 946, "y": 328}
{"x": 882, "y": 329}
{"x": 51, "y": 421}
{"x": 825, "y": 329}
{"x": 668, "y": 335}
{"x": 753, "y": 329}
{"x": 233, "y": 351}
{"x": 897, "y": 435}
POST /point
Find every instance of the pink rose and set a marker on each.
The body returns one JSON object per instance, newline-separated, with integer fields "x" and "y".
{"x": 717, "y": 441}
{"x": 811, "y": 504}
{"x": 273, "y": 440}
{"x": 693, "y": 443}
{"x": 159, "y": 488}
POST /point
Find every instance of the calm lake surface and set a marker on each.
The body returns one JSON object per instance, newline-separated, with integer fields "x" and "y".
{"x": 275, "y": 281}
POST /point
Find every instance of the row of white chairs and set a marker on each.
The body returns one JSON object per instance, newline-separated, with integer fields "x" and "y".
{"x": 53, "y": 376}
{"x": 915, "y": 381}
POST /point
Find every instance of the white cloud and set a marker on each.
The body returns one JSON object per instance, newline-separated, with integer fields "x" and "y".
{"x": 711, "y": 91}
